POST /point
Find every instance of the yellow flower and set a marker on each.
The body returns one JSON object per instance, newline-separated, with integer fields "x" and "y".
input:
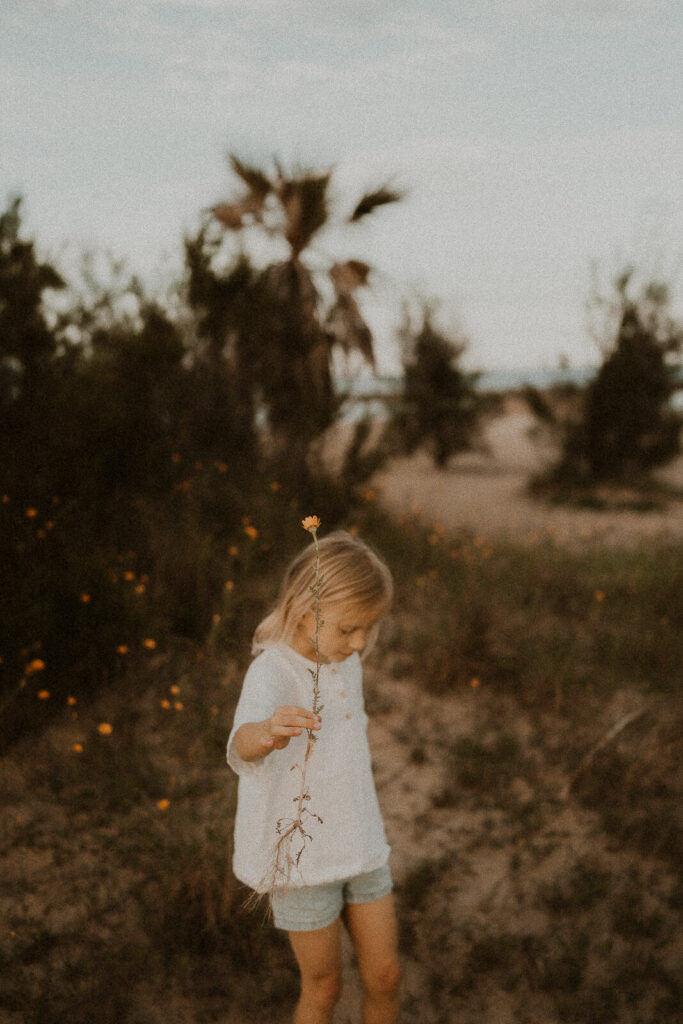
{"x": 71, "y": 701}
{"x": 229, "y": 585}
{"x": 274, "y": 485}
{"x": 175, "y": 689}
{"x": 165, "y": 704}
{"x": 233, "y": 551}
{"x": 251, "y": 532}
{"x": 310, "y": 523}
{"x": 128, "y": 575}
{"x": 31, "y": 513}
{"x": 105, "y": 729}
{"x": 599, "y": 595}
{"x": 474, "y": 683}
{"x": 85, "y": 598}
{"x": 140, "y": 588}
{"x": 77, "y": 748}
{"x": 43, "y": 694}
{"x": 163, "y": 804}
{"x": 37, "y": 665}
{"x": 122, "y": 649}
{"x": 149, "y": 644}
{"x": 222, "y": 467}
{"x": 178, "y": 705}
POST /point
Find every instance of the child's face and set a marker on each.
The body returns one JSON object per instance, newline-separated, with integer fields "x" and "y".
{"x": 344, "y": 631}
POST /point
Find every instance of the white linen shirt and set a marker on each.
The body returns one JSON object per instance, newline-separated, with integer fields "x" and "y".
{"x": 351, "y": 839}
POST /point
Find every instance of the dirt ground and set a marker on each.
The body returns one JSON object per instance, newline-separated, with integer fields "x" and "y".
{"x": 486, "y": 491}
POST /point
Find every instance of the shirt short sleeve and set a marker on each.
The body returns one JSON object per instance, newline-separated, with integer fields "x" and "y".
{"x": 268, "y": 684}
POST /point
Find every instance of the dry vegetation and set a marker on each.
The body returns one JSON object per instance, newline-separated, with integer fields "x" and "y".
{"x": 535, "y": 845}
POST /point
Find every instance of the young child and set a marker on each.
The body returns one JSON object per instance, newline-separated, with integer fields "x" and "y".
{"x": 342, "y": 872}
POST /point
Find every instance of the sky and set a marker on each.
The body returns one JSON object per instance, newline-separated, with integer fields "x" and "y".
{"x": 533, "y": 139}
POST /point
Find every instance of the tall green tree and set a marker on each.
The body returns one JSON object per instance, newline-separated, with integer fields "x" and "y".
{"x": 628, "y": 426}
{"x": 281, "y": 345}
{"x": 27, "y": 343}
{"x": 440, "y": 406}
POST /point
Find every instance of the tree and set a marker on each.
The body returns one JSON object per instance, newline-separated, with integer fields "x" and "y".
{"x": 440, "y": 403}
{"x": 281, "y": 346}
{"x": 627, "y": 426}
{"x": 27, "y": 344}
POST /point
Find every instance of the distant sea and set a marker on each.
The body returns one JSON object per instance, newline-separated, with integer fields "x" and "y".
{"x": 364, "y": 394}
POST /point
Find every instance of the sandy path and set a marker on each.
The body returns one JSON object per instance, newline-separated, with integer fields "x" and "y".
{"x": 487, "y": 492}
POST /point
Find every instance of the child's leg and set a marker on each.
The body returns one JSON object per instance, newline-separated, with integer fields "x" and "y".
{"x": 373, "y": 928}
{"x": 318, "y": 954}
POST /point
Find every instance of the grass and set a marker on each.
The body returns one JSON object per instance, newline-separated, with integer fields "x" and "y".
{"x": 117, "y": 889}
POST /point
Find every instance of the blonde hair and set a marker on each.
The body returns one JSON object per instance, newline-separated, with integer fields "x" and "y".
{"x": 352, "y": 574}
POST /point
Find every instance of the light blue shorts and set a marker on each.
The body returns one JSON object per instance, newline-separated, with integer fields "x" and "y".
{"x": 309, "y": 907}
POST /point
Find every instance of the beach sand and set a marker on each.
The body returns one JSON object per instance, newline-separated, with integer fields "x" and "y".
{"x": 486, "y": 491}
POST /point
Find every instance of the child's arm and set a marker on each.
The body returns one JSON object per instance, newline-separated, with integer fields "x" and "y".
{"x": 254, "y": 740}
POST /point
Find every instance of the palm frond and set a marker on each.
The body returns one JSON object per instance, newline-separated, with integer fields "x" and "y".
{"x": 230, "y": 215}
{"x": 348, "y": 276}
{"x": 347, "y": 328}
{"x": 258, "y": 183}
{"x": 371, "y": 200}
{"x": 304, "y": 201}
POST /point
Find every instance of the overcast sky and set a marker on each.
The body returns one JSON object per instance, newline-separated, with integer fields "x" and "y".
{"x": 532, "y": 137}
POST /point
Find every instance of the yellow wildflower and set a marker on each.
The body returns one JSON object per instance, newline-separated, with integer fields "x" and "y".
{"x": 599, "y": 595}
{"x": 175, "y": 689}
{"x": 163, "y": 804}
{"x": 71, "y": 701}
{"x": 165, "y": 704}
{"x": 251, "y": 531}
{"x": 122, "y": 649}
{"x": 43, "y": 694}
{"x": 31, "y": 513}
{"x": 149, "y": 644}
{"x": 77, "y": 748}
{"x": 85, "y": 598}
{"x": 37, "y": 665}
{"x": 105, "y": 729}
{"x": 311, "y": 523}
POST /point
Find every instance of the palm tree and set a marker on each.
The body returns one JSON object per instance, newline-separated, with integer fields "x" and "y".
{"x": 289, "y": 353}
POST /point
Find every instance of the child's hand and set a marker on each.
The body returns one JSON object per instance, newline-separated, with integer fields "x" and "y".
{"x": 286, "y": 722}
